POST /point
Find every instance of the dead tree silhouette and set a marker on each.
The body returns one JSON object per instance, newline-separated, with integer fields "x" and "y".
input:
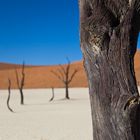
{"x": 65, "y": 76}
{"x": 20, "y": 82}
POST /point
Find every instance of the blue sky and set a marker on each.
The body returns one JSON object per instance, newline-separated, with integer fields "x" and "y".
{"x": 139, "y": 42}
{"x": 40, "y": 32}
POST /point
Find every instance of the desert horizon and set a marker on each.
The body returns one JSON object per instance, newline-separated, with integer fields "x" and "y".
{"x": 42, "y": 77}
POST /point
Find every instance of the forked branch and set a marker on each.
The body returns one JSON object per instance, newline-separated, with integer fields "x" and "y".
{"x": 65, "y": 76}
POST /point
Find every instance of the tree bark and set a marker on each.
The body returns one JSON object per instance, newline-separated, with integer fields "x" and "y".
{"x": 109, "y": 32}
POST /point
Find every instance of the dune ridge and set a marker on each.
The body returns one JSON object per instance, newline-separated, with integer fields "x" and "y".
{"x": 42, "y": 77}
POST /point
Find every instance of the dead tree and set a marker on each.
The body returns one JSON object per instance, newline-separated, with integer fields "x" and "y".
{"x": 64, "y": 75}
{"x": 20, "y": 83}
{"x": 52, "y": 94}
{"x": 9, "y": 95}
{"x": 109, "y": 34}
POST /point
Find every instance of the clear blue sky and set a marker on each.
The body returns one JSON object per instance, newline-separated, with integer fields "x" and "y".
{"x": 40, "y": 32}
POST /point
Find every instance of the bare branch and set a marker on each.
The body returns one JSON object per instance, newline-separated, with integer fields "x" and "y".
{"x": 65, "y": 70}
{"x": 23, "y": 75}
{"x": 62, "y": 74}
{"x": 58, "y": 76}
{"x": 62, "y": 68}
{"x": 68, "y": 60}
{"x": 17, "y": 78}
{"x": 68, "y": 69}
{"x": 72, "y": 76}
{"x": 23, "y": 67}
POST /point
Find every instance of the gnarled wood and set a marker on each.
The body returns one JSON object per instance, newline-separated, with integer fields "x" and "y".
{"x": 109, "y": 32}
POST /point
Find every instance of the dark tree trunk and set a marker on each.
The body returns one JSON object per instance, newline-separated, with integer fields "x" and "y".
{"x": 9, "y": 95}
{"x": 52, "y": 95}
{"x": 21, "y": 97}
{"x": 67, "y": 92}
{"x": 109, "y": 33}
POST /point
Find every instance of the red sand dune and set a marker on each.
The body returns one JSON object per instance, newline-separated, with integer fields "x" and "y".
{"x": 42, "y": 77}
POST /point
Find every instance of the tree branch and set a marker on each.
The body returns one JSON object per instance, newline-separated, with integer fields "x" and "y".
{"x": 23, "y": 75}
{"x": 58, "y": 76}
{"x": 72, "y": 76}
{"x": 17, "y": 78}
{"x": 62, "y": 68}
{"x": 68, "y": 70}
{"x": 62, "y": 74}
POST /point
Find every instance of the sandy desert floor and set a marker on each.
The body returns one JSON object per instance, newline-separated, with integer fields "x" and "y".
{"x": 40, "y": 119}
